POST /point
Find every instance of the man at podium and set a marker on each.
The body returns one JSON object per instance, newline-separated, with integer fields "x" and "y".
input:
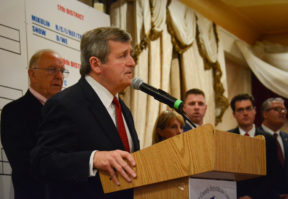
{"x": 87, "y": 127}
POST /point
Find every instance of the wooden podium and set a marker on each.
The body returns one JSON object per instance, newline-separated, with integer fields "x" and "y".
{"x": 163, "y": 169}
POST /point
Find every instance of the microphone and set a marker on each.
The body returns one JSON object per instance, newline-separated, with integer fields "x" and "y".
{"x": 161, "y": 96}
{"x": 158, "y": 94}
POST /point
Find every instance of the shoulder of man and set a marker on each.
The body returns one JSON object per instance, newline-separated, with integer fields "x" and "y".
{"x": 235, "y": 130}
{"x": 19, "y": 103}
{"x": 186, "y": 127}
{"x": 260, "y": 131}
{"x": 284, "y": 136}
{"x": 69, "y": 93}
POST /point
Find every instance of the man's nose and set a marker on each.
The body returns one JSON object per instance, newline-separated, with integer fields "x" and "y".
{"x": 59, "y": 75}
{"x": 131, "y": 61}
{"x": 245, "y": 111}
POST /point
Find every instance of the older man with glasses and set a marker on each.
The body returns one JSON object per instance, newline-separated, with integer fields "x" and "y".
{"x": 20, "y": 120}
{"x": 274, "y": 115}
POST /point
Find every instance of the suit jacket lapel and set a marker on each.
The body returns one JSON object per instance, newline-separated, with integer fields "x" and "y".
{"x": 258, "y": 131}
{"x": 284, "y": 137}
{"x": 237, "y": 130}
{"x": 101, "y": 114}
{"x": 31, "y": 99}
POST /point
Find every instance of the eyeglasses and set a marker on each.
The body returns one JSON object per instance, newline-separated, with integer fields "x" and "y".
{"x": 278, "y": 109}
{"x": 54, "y": 71}
{"x": 241, "y": 110}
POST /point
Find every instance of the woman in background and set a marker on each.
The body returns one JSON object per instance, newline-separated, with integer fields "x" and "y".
{"x": 168, "y": 124}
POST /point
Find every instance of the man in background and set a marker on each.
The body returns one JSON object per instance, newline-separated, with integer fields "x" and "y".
{"x": 274, "y": 115}
{"x": 87, "y": 127}
{"x": 194, "y": 108}
{"x": 244, "y": 111}
{"x": 20, "y": 120}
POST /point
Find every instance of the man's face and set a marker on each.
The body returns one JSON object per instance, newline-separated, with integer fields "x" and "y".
{"x": 244, "y": 113}
{"x": 117, "y": 72}
{"x": 45, "y": 82}
{"x": 195, "y": 108}
{"x": 275, "y": 116}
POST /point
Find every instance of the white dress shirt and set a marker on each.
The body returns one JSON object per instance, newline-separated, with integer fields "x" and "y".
{"x": 251, "y": 133}
{"x": 106, "y": 97}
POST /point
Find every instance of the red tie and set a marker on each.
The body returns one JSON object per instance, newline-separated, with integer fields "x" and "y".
{"x": 246, "y": 134}
{"x": 279, "y": 150}
{"x": 120, "y": 124}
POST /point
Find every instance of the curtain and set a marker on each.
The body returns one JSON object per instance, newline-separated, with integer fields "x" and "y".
{"x": 272, "y": 75}
{"x": 168, "y": 57}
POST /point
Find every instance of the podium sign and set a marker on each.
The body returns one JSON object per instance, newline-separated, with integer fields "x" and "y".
{"x": 216, "y": 189}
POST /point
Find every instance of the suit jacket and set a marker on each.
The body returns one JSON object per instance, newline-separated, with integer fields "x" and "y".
{"x": 237, "y": 131}
{"x": 257, "y": 188}
{"x": 277, "y": 175}
{"x": 75, "y": 122}
{"x": 187, "y": 127}
{"x": 19, "y": 122}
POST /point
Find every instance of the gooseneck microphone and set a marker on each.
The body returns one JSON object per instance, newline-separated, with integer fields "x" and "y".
{"x": 161, "y": 96}
{"x": 158, "y": 94}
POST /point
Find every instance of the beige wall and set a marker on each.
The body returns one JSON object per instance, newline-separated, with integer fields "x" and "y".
{"x": 238, "y": 76}
{"x": 238, "y": 81}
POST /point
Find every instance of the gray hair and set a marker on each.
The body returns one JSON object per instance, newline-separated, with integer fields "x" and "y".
{"x": 37, "y": 55}
{"x": 95, "y": 43}
{"x": 267, "y": 103}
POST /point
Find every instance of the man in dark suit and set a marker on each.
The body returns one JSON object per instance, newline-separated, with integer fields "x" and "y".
{"x": 274, "y": 115}
{"x": 244, "y": 111}
{"x": 20, "y": 120}
{"x": 80, "y": 133}
{"x": 194, "y": 107}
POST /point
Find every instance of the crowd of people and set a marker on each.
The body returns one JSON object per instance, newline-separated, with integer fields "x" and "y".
{"x": 275, "y": 183}
{"x": 58, "y": 141}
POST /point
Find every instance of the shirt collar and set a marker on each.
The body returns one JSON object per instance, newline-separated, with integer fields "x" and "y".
{"x": 270, "y": 131}
{"x": 251, "y": 132}
{"x": 105, "y": 96}
{"x": 38, "y": 96}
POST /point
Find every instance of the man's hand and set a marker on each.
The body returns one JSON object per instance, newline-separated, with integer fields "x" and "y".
{"x": 114, "y": 161}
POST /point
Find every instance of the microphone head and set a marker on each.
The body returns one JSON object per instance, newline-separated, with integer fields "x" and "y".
{"x": 136, "y": 83}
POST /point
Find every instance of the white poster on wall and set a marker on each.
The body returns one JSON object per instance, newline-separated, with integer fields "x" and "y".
{"x": 27, "y": 26}
{"x": 13, "y": 53}
{"x": 60, "y": 27}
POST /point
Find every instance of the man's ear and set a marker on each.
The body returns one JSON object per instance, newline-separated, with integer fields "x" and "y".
{"x": 31, "y": 74}
{"x": 264, "y": 114}
{"x": 95, "y": 64}
{"x": 254, "y": 108}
